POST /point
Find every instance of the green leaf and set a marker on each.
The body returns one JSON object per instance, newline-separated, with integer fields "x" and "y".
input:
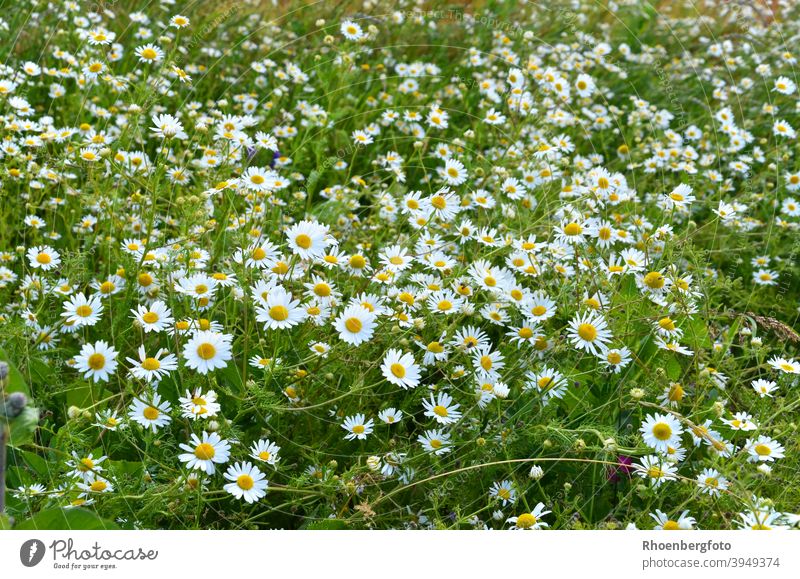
{"x": 16, "y": 381}
{"x": 23, "y": 427}
{"x": 66, "y": 519}
{"x": 232, "y": 377}
{"x": 672, "y": 367}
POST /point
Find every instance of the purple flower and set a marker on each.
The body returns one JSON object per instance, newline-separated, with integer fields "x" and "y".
{"x": 275, "y": 156}
{"x": 624, "y": 466}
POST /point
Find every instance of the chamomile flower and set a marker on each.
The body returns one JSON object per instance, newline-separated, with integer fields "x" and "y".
{"x": 207, "y": 351}
{"x": 503, "y": 492}
{"x": 711, "y": 482}
{"x": 43, "y": 257}
{"x": 280, "y": 310}
{"x": 355, "y": 325}
{"x": 400, "y": 369}
{"x": 616, "y": 359}
{"x": 656, "y": 469}
{"x": 108, "y": 420}
{"x": 156, "y": 317}
{"x": 247, "y": 482}
{"x": 661, "y": 431}
{"x": 764, "y": 449}
{"x": 390, "y": 415}
{"x": 454, "y": 172}
{"x": 785, "y": 365}
{"x": 206, "y": 452}
{"x": 531, "y": 521}
{"x": 442, "y": 408}
{"x": 307, "y": 239}
{"x": 150, "y": 412}
{"x": 590, "y": 332}
{"x": 149, "y": 53}
{"x": 357, "y": 427}
{"x": 351, "y": 30}
{"x": 97, "y": 361}
{"x": 663, "y": 523}
{"x": 82, "y": 311}
{"x": 266, "y": 451}
{"x": 764, "y": 387}
{"x": 435, "y": 441}
{"x": 152, "y": 368}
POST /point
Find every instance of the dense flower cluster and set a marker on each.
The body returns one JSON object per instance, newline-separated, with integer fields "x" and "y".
{"x": 262, "y": 273}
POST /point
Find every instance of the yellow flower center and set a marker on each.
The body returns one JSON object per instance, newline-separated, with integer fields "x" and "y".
{"x": 435, "y": 347}
{"x": 763, "y": 450}
{"x": 358, "y": 262}
{"x": 151, "y": 413}
{"x": 655, "y": 472}
{"x": 587, "y": 332}
{"x": 245, "y": 482}
{"x": 671, "y": 526}
{"x": 353, "y": 325}
{"x": 204, "y": 451}
{"x": 572, "y": 229}
{"x": 151, "y": 364}
{"x": 398, "y": 370}
{"x": 440, "y": 410}
{"x": 662, "y": 431}
{"x": 654, "y": 280}
{"x": 303, "y": 241}
{"x": 676, "y": 393}
{"x": 96, "y": 361}
{"x": 278, "y": 313}
{"x": 84, "y": 311}
{"x": 526, "y": 521}
{"x": 98, "y": 486}
{"x": 150, "y": 317}
{"x": 206, "y": 351}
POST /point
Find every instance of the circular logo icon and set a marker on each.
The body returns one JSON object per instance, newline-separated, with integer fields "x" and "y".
{"x": 32, "y": 552}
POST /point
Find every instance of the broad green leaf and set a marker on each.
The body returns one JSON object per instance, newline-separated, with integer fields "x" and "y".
{"x": 16, "y": 381}
{"x": 66, "y": 519}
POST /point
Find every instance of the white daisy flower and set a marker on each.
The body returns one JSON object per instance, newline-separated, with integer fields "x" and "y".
{"x": 97, "y": 361}
{"x": 206, "y": 452}
{"x": 401, "y": 369}
{"x": 207, "y": 351}
{"x": 248, "y": 482}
